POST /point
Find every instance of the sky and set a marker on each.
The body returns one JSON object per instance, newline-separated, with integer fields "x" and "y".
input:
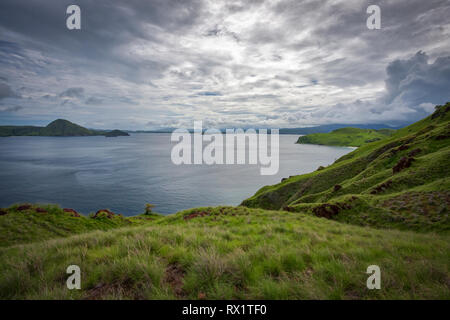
{"x": 143, "y": 65}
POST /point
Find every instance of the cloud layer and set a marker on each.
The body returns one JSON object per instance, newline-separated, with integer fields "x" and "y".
{"x": 289, "y": 63}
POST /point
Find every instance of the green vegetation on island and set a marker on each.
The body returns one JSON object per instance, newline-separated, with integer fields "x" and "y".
{"x": 402, "y": 181}
{"x": 57, "y": 128}
{"x": 346, "y": 137}
{"x": 116, "y": 133}
{"x": 310, "y": 237}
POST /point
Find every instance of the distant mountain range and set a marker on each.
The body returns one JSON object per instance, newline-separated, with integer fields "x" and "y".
{"x": 65, "y": 128}
{"x": 57, "y": 128}
{"x": 304, "y": 130}
{"x": 331, "y": 127}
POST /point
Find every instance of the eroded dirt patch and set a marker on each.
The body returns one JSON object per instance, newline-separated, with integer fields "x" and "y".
{"x": 174, "y": 278}
{"x": 24, "y": 207}
{"x": 195, "y": 215}
{"x": 382, "y": 187}
{"x": 123, "y": 288}
{"x": 105, "y": 213}
{"x": 72, "y": 212}
{"x": 328, "y": 210}
{"x": 421, "y": 203}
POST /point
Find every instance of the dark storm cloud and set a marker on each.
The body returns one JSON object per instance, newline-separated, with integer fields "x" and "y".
{"x": 105, "y": 23}
{"x": 6, "y": 92}
{"x": 288, "y": 62}
{"x": 93, "y": 101}
{"x": 10, "y": 109}
{"x": 105, "y": 26}
{"x": 416, "y": 81}
{"x": 209, "y": 93}
{"x": 72, "y": 93}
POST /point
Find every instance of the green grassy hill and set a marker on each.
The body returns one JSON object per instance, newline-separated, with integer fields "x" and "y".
{"x": 231, "y": 253}
{"x": 65, "y": 128}
{"x": 346, "y": 137}
{"x": 402, "y": 181}
{"x": 310, "y": 237}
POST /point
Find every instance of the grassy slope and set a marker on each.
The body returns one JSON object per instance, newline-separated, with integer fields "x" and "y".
{"x": 244, "y": 253}
{"x": 367, "y": 191}
{"x": 26, "y": 226}
{"x": 351, "y": 137}
{"x": 231, "y": 253}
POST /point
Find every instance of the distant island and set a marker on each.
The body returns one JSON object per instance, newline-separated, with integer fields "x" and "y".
{"x": 300, "y": 130}
{"x": 116, "y": 133}
{"x": 346, "y": 137}
{"x": 57, "y": 128}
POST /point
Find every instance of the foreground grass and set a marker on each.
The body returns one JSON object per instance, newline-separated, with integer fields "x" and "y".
{"x": 231, "y": 253}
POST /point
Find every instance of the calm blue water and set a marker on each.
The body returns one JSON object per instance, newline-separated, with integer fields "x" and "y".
{"x": 124, "y": 173}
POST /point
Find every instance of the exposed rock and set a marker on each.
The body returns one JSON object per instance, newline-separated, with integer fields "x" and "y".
{"x": 174, "y": 277}
{"x": 398, "y": 149}
{"x": 442, "y": 136}
{"x": 72, "y": 212}
{"x": 195, "y": 215}
{"x": 381, "y": 187}
{"x": 404, "y": 162}
{"x": 109, "y": 214}
{"x": 24, "y": 207}
{"x": 414, "y": 152}
{"x": 326, "y": 210}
